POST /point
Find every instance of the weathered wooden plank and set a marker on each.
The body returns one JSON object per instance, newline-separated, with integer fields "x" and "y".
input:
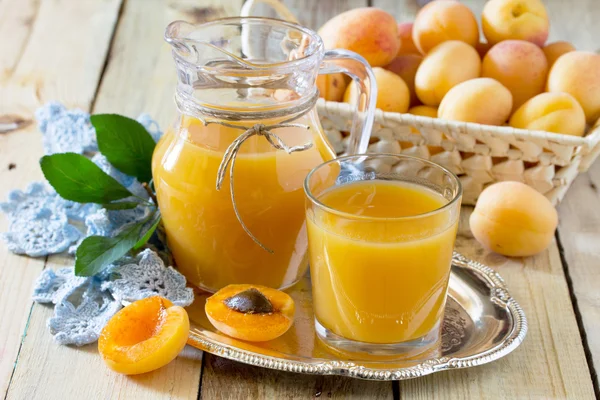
{"x": 579, "y": 231}
{"x": 225, "y": 379}
{"x": 16, "y": 22}
{"x": 140, "y": 76}
{"x": 33, "y": 70}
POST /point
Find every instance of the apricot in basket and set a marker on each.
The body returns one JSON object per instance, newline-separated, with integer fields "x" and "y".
{"x": 251, "y": 312}
{"x": 144, "y": 336}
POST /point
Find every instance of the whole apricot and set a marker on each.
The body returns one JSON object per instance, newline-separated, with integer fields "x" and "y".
{"x": 392, "y": 93}
{"x": 444, "y": 67}
{"x": 444, "y": 20}
{"x": 513, "y": 219}
{"x": 481, "y": 100}
{"x": 578, "y": 73}
{"x": 551, "y": 112}
{"x": 251, "y": 312}
{"x": 556, "y": 49}
{"x": 515, "y": 19}
{"x": 144, "y": 336}
{"x": 424, "y": 111}
{"x": 407, "y": 44}
{"x": 519, "y": 65}
{"x": 370, "y": 32}
{"x": 405, "y": 66}
{"x": 331, "y": 86}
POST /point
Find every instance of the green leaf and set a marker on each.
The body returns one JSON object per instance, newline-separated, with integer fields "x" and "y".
{"x": 121, "y": 205}
{"x": 97, "y": 252}
{"x": 155, "y": 221}
{"x": 76, "y": 178}
{"x": 125, "y": 143}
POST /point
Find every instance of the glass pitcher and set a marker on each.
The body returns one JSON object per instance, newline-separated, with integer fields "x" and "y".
{"x": 229, "y": 173}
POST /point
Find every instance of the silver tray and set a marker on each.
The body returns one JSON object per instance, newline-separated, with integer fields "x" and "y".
{"x": 482, "y": 323}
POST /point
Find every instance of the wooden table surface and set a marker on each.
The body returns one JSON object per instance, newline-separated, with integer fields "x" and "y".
{"x": 109, "y": 56}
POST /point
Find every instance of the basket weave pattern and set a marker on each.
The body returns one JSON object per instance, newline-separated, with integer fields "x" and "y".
{"x": 479, "y": 154}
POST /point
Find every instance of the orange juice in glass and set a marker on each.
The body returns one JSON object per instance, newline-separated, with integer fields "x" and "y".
{"x": 381, "y": 232}
{"x": 229, "y": 174}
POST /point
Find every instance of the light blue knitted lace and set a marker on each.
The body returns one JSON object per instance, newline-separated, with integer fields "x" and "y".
{"x": 42, "y": 223}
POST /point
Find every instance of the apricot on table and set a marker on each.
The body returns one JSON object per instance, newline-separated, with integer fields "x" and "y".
{"x": 392, "y": 93}
{"x": 519, "y": 65}
{"x": 407, "y": 44}
{"x": 444, "y": 67}
{"x": 144, "y": 336}
{"x": 405, "y": 66}
{"x": 555, "y": 50}
{"x": 515, "y": 19}
{"x": 331, "y": 86}
{"x": 513, "y": 219}
{"x": 578, "y": 73}
{"x": 551, "y": 112}
{"x": 370, "y": 32}
{"x": 481, "y": 100}
{"x": 251, "y": 312}
{"x": 444, "y": 20}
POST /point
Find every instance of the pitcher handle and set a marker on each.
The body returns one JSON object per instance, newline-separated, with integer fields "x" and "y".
{"x": 355, "y": 66}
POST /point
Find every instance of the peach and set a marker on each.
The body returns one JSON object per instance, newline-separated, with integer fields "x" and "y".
{"x": 555, "y": 50}
{"x": 370, "y": 32}
{"x": 519, "y": 65}
{"x": 578, "y": 73}
{"x": 406, "y": 66}
{"x": 551, "y": 112}
{"x": 424, "y": 111}
{"x": 407, "y": 44}
{"x": 445, "y": 66}
{"x": 144, "y": 336}
{"x": 392, "y": 93}
{"x": 331, "y": 86}
{"x": 444, "y": 20}
{"x": 513, "y": 219}
{"x": 481, "y": 100}
{"x": 515, "y": 19}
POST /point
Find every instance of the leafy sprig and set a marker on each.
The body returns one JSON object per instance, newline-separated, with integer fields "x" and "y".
{"x": 128, "y": 147}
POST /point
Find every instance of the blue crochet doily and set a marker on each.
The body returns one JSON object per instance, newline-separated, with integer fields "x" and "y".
{"x": 42, "y": 223}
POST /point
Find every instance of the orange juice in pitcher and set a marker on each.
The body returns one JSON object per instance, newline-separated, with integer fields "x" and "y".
{"x": 229, "y": 174}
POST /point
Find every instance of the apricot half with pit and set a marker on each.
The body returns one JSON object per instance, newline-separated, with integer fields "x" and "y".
{"x": 251, "y": 312}
{"x": 144, "y": 336}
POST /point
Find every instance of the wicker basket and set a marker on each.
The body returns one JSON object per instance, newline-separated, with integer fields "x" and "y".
{"x": 479, "y": 154}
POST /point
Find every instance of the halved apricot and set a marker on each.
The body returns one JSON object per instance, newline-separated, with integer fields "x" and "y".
{"x": 251, "y": 312}
{"x": 144, "y": 336}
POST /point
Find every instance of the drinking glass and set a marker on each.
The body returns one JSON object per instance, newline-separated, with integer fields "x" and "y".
{"x": 381, "y": 231}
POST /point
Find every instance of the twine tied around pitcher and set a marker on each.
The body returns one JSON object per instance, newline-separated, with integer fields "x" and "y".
{"x": 230, "y": 155}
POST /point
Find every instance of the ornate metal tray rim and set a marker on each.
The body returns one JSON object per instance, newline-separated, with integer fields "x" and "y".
{"x": 498, "y": 294}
